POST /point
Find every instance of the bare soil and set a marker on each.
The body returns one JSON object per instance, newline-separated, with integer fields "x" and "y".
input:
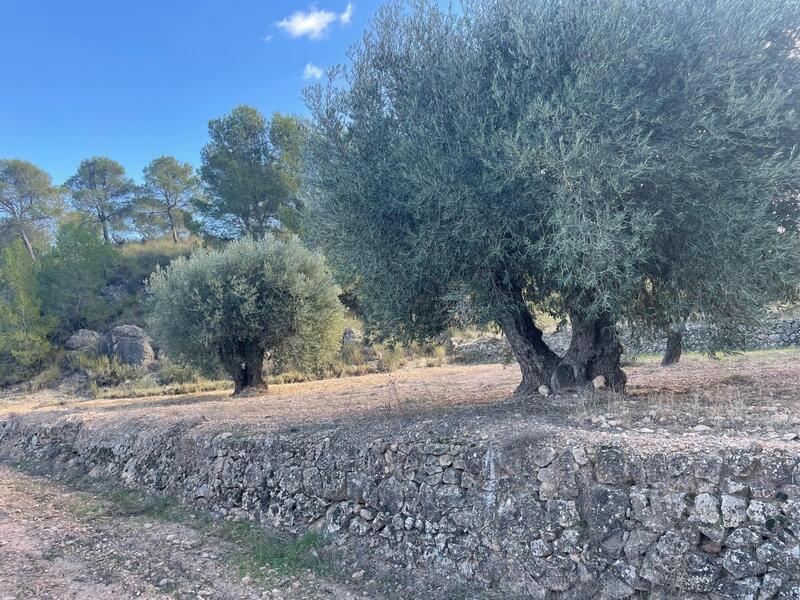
{"x": 61, "y": 543}
{"x": 755, "y": 393}
{"x": 58, "y": 542}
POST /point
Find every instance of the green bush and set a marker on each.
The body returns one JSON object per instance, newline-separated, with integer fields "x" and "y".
{"x": 170, "y": 373}
{"x": 229, "y": 308}
{"x": 107, "y": 372}
{"x": 72, "y": 276}
{"x": 392, "y": 357}
{"x": 24, "y": 331}
{"x": 353, "y": 353}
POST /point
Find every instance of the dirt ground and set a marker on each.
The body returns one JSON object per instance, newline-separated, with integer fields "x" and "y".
{"x": 755, "y": 393}
{"x": 58, "y": 543}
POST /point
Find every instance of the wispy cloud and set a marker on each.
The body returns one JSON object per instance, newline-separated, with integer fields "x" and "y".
{"x": 315, "y": 23}
{"x": 268, "y": 38}
{"x": 312, "y": 72}
{"x": 312, "y": 24}
{"x": 347, "y": 15}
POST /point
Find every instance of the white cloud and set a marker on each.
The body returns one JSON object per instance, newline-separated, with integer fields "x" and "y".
{"x": 312, "y": 72}
{"x": 313, "y": 24}
{"x": 347, "y": 15}
{"x": 268, "y": 38}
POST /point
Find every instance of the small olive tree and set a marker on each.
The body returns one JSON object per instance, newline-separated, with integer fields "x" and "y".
{"x": 232, "y": 308}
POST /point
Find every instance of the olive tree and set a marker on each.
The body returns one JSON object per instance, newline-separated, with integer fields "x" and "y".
{"x": 233, "y": 307}
{"x": 606, "y": 161}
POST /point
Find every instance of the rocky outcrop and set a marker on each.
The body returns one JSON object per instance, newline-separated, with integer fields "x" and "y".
{"x": 85, "y": 341}
{"x": 128, "y": 344}
{"x": 546, "y": 515}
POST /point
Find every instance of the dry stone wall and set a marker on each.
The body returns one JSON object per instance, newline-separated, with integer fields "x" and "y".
{"x": 550, "y": 514}
{"x": 770, "y": 334}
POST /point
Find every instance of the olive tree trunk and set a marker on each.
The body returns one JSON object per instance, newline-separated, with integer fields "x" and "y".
{"x": 245, "y": 369}
{"x": 536, "y": 360}
{"x": 594, "y": 350}
{"x": 672, "y": 355}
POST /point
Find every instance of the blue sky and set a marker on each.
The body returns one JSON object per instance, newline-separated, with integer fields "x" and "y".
{"x": 137, "y": 79}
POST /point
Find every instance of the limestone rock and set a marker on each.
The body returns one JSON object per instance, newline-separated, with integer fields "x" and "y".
{"x": 706, "y": 509}
{"x": 84, "y": 340}
{"x": 130, "y": 345}
{"x": 734, "y": 510}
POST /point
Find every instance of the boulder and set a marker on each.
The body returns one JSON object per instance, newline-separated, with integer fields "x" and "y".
{"x": 130, "y": 345}
{"x": 84, "y": 340}
{"x": 352, "y": 336}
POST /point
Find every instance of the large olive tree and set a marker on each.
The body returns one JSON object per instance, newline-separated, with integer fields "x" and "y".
{"x": 597, "y": 158}
{"x": 231, "y": 308}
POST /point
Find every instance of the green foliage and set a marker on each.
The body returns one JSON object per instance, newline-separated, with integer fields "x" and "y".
{"x": 102, "y": 193}
{"x": 353, "y": 353}
{"x": 49, "y": 376}
{"x": 170, "y": 373}
{"x": 391, "y": 356}
{"x": 71, "y": 278}
{"x": 618, "y": 158}
{"x": 28, "y": 200}
{"x": 165, "y": 200}
{"x": 103, "y": 371}
{"x": 229, "y": 307}
{"x": 134, "y": 264}
{"x": 24, "y": 331}
{"x": 251, "y": 171}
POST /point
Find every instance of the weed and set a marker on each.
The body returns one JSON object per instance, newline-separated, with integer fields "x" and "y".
{"x": 353, "y": 353}
{"x": 170, "y": 373}
{"x": 105, "y": 372}
{"x": 45, "y": 378}
{"x": 258, "y": 549}
{"x": 392, "y": 357}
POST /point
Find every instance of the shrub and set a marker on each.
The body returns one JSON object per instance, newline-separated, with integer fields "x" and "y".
{"x": 24, "y": 331}
{"x": 170, "y": 373}
{"x": 353, "y": 353}
{"x": 229, "y": 308}
{"x": 71, "y": 279}
{"x": 392, "y": 357}
{"x": 103, "y": 371}
{"x": 437, "y": 355}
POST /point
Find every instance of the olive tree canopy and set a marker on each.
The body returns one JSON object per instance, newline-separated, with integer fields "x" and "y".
{"x": 604, "y": 159}
{"x": 230, "y": 308}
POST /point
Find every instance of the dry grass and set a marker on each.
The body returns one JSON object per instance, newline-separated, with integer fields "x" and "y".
{"x": 754, "y": 391}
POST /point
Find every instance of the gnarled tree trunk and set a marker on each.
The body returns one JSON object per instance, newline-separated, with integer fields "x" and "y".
{"x": 536, "y": 360}
{"x": 245, "y": 368}
{"x": 593, "y": 350}
{"x": 672, "y": 355}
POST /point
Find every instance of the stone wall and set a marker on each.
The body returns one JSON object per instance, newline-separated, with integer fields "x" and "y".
{"x": 771, "y": 334}
{"x": 539, "y": 512}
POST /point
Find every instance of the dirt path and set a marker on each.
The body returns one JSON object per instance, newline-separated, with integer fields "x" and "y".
{"x": 58, "y": 543}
